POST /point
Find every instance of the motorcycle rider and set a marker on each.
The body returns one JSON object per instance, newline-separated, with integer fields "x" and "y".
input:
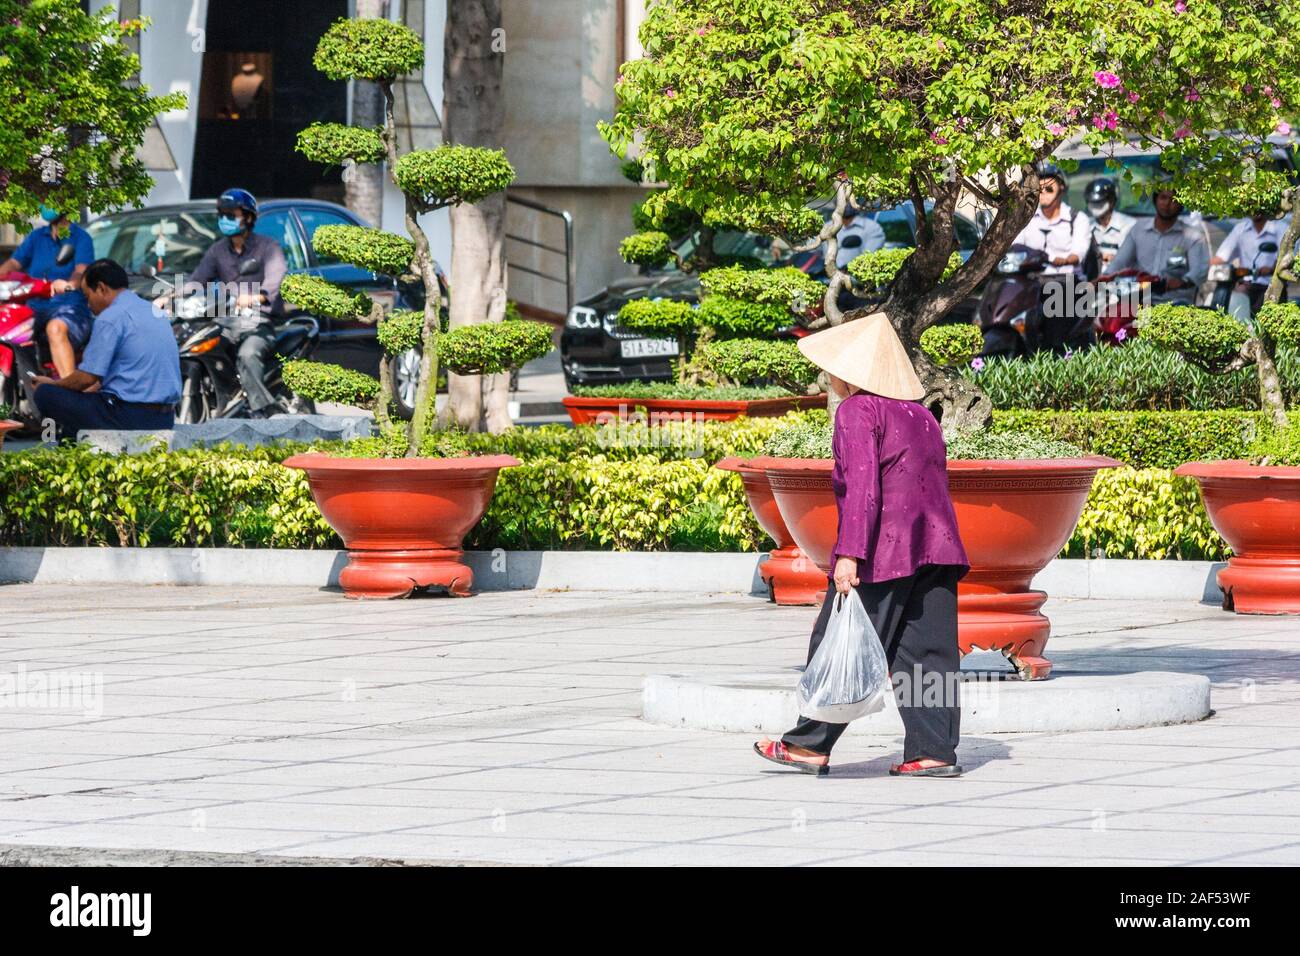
{"x": 1241, "y": 246}
{"x": 1064, "y": 235}
{"x": 1168, "y": 247}
{"x": 64, "y": 319}
{"x": 1110, "y": 227}
{"x": 258, "y": 290}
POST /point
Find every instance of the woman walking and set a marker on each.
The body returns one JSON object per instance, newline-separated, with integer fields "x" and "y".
{"x": 897, "y": 546}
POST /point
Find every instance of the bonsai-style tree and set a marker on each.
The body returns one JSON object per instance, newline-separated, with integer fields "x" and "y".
{"x": 74, "y": 115}
{"x": 750, "y": 112}
{"x": 1218, "y": 342}
{"x": 379, "y": 51}
{"x": 727, "y": 339}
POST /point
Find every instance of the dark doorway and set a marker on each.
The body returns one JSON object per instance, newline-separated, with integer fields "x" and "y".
{"x": 258, "y": 90}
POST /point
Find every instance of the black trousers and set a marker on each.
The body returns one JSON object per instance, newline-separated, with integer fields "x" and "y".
{"x": 916, "y": 618}
{"x": 79, "y": 411}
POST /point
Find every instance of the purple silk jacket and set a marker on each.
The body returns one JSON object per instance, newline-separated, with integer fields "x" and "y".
{"x": 891, "y": 489}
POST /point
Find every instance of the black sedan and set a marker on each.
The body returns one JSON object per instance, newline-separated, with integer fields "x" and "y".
{"x": 596, "y": 350}
{"x": 159, "y": 244}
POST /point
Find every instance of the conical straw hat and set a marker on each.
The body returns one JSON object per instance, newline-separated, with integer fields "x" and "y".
{"x": 865, "y": 352}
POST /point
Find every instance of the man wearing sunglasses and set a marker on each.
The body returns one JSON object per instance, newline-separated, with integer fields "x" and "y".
{"x": 1064, "y": 234}
{"x": 257, "y": 290}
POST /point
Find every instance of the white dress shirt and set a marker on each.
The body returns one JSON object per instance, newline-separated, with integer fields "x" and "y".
{"x": 1069, "y": 234}
{"x": 1242, "y": 246}
{"x": 1112, "y": 235}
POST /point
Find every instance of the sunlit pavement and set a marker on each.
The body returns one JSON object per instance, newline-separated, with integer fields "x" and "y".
{"x": 505, "y": 728}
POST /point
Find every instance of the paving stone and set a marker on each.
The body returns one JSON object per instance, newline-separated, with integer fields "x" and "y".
{"x": 505, "y": 729}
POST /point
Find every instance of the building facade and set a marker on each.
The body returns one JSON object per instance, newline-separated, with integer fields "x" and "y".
{"x": 245, "y": 66}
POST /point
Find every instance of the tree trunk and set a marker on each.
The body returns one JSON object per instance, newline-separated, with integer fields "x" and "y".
{"x": 363, "y": 183}
{"x": 1282, "y": 271}
{"x": 475, "y": 116}
{"x": 1271, "y": 398}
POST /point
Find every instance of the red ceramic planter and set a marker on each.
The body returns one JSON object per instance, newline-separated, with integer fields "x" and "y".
{"x": 1257, "y": 510}
{"x": 1013, "y": 517}
{"x": 402, "y": 520}
{"x": 596, "y": 411}
{"x": 6, "y": 426}
{"x": 791, "y": 577}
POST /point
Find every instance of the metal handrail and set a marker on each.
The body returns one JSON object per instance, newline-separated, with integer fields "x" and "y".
{"x": 570, "y": 279}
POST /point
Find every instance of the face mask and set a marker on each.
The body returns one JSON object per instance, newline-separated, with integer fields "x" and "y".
{"x": 1098, "y": 209}
{"x": 48, "y": 214}
{"x": 229, "y": 226}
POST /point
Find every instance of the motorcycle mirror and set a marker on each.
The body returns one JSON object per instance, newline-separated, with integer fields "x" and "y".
{"x": 65, "y": 254}
{"x": 250, "y": 266}
{"x": 983, "y": 219}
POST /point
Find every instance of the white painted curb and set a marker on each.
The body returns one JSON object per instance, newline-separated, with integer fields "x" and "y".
{"x": 765, "y": 703}
{"x": 669, "y": 571}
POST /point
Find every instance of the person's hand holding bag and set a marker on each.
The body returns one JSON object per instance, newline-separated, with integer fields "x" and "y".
{"x": 846, "y": 574}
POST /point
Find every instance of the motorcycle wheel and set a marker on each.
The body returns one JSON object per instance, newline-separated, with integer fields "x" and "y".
{"x": 196, "y": 401}
{"x": 1002, "y": 342}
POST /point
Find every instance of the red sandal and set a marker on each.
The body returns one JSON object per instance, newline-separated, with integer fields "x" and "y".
{"x": 913, "y": 768}
{"x": 777, "y": 752}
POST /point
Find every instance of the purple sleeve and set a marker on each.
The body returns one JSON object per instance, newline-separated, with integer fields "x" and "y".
{"x": 857, "y": 458}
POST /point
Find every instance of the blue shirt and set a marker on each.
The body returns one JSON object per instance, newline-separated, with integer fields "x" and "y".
{"x": 38, "y": 251}
{"x": 133, "y": 351}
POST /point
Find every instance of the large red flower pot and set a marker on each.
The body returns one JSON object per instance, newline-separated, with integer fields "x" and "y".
{"x": 1013, "y": 517}
{"x": 1257, "y": 510}
{"x": 402, "y": 520}
{"x": 6, "y": 426}
{"x": 791, "y": 577}
{"x": 597, "y": 411}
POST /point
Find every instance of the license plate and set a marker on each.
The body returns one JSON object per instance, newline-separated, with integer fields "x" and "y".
{"x": 647, "y": 348}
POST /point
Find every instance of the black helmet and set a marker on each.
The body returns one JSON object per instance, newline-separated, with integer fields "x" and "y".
{"x": 1050, "y": 170}
{"x": 237, "y": 198}
{"x": 1101, "y": 192}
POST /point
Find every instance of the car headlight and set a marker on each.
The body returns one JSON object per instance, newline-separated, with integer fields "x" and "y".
{"x": 581, "y": 317}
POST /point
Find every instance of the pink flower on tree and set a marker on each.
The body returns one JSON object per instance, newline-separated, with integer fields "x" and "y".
{"x": 1283, "y": 127}
{"x": 1121, "y": 335}
{"x": 1056, "y": 129}
{"x": 1193, "y": 95}
{"x": 1106, "y": 80}
{"x": 1108, "y": 120}
{"x": 1180, "y": 7}
{"x": 1133, "y": 97}
{"x": 942, "y": 141}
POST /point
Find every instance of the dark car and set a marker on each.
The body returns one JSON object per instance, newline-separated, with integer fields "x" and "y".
{"x": 596, "y": 350}
{"x": 158, "y": 244}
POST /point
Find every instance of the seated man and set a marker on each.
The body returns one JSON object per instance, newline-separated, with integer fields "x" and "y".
{"x": 130, "y": 375}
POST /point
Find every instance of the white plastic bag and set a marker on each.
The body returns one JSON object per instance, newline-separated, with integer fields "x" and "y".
{"x": 848, "y": 676}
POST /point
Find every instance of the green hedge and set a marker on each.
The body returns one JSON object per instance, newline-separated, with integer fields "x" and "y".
{"x": 1142, "y": 439}
{"x": 624, "y": 486}
{"x": 1130, "y": 378}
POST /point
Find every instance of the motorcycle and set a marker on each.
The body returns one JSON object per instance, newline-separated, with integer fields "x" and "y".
{"x": 210, "y": 385}
{"x": 20, "y": 354}
{"x": 1119, "y": 298}
{"x": 1008, "y": 310}
{"x": 1234, "y": 291}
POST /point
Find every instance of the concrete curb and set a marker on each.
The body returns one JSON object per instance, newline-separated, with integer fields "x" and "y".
{"x": 669, "y": 571}
{"x": 765, "y": 703}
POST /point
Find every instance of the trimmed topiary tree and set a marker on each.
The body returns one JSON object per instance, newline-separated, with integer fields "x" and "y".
{"x": 380, "y": 50}
{"x": 1219, "y": 343}
{"x": 749, "y": 113}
